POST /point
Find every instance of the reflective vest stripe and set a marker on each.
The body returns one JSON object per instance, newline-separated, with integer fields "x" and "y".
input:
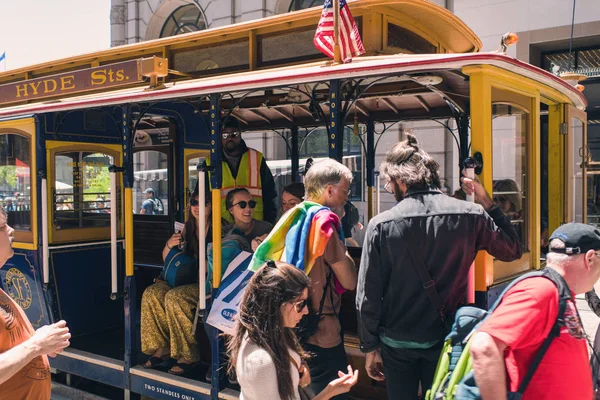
{"x": 248, "y": 177}
{"x": 253, "y": 168}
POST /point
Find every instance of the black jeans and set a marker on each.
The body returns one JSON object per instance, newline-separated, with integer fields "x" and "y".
{"x": 324, "y": 365}
{"x": 405, "y": 368}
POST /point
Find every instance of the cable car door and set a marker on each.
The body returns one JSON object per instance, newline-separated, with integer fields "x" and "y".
{"x": 577, "y": 153}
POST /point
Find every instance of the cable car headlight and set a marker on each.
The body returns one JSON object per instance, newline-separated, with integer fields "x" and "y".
{"x": 573, "y": 79}
{"x": 508, "y": 39}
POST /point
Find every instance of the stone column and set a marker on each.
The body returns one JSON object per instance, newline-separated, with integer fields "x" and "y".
{"x": 118, "y": 18}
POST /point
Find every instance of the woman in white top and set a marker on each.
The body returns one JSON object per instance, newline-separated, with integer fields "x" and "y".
{"x": 264, "y": 349}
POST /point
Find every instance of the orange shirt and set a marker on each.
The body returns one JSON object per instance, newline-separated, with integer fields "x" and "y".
{"x": 33, "y": 380}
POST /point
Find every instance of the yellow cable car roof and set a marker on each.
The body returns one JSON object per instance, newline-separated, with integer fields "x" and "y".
{"x": 399, "y": 98}
{"x": 429, "y": 22}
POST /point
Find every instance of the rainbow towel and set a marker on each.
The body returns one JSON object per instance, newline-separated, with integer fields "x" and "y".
{"x": 303, "y": 233}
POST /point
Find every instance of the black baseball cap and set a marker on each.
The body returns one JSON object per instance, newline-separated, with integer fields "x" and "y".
{"x": 578, "y": 238}
{"x": 230, "y": 122}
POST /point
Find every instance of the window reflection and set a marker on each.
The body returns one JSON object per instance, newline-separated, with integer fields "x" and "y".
{"x": 185, "y": 19}
{"x": 15, "y": 180}
{"x": 510, "y": 166}
{"x": 81, "y": 190}
{"x": 296, "y": 5}
{"x": 576, "y": 136}
{"x": 193, "y": 173}
{"x": 593, "y": 173}
{"x": 151, "y": 191}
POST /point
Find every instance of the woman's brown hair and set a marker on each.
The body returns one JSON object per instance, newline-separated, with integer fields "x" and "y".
{"x": 273, "y": 285}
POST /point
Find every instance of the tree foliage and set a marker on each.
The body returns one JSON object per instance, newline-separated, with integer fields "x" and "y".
{"x": 8, "y": 176}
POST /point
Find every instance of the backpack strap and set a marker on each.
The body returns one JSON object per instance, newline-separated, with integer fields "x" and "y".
{"x": 564, "y": 294}
{"x": 322, "y": 303}
{"x": 528, "y": 275}
{"x": 154, "y": 205}
{"x": 428, "y": 282}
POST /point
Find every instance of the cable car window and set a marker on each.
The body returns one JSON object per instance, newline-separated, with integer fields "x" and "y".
{"x": 314, "y": 144}
{"x": 403, "y": 38}
{"x": 193, "y": 173}
{"x": 509, "y": 136}
{"x": 151, "y": 182}
{"x": 81, "y": 195}
{"x": 192, "y": 159}
{"x": 15, "y": 180}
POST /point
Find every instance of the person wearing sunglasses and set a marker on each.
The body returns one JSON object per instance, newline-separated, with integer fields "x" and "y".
{"x": 241, "y": 206}
{"x": 264, "y": 350}
{"x": 243, "y": 167}
{"x": 328, "y": 183}
{"x": 507, "y": 196}
{"x": 168, "y": 313}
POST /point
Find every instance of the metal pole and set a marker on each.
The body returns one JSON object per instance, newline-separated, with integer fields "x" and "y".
{"x": 201, "y": 236}
{"x": 377, "y": 193}
{"x": 470, "y": 172}
{"x": 114, "y": 209}
{"x": 370, "y": 156}
{"x": 218, "y": 377}
{"x": 45, "y": 264}
{"x": 295, "y": 154}
{"x": 337, "y": 54}
{"x": 336, "y": 123}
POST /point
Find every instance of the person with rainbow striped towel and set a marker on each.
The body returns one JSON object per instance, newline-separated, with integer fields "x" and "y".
{"x": 310, "y": 237}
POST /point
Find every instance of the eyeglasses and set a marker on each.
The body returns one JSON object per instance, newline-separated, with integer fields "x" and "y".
{"x": 387, "y": 187}
{"x": 243, "y": 204}
{"x": 346, "y": 191}
{"x": 299, "y": 306}
{"x": 232, "y": 135}
{"x": 195, "y": 202}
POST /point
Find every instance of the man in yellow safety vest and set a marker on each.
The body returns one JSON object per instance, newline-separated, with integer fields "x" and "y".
{"x": 243, "y": 167}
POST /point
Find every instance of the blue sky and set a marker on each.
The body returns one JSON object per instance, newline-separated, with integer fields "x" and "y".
{"x": 35, "y": 31}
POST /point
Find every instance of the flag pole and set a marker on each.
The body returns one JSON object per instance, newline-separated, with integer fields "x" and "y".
{"x": 337, "y": 54}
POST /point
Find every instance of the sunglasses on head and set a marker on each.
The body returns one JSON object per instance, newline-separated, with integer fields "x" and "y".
{"x": 243, "y": 204}
{"x": 232, "y": 135}
{"x": 195, "y": 202}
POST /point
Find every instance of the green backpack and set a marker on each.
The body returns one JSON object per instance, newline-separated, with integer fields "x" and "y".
{"x": 454, "y": 378}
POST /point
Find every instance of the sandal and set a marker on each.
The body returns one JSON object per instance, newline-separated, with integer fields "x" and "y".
{"x": 154, "y": 362}
{"x": 185, "y": 368}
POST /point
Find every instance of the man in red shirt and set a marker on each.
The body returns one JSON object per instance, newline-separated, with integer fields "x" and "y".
{"x": 24, "y": 367}
{"x": 504, "y": 347}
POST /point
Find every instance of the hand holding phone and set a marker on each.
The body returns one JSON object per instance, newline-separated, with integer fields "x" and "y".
{"x": 178, "y": 226}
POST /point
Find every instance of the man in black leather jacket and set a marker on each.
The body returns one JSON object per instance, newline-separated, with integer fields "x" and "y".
{"x": 401, "y": 330}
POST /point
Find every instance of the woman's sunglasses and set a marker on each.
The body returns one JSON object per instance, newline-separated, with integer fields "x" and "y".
{"x": 243, "y": 204}
{"x": 299, "y": 306}
{"x": 232, "y": 135}
{"x": 194, "y": 202}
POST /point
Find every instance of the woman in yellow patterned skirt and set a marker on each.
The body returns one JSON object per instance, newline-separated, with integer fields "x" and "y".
{"x": 168, "y": 313}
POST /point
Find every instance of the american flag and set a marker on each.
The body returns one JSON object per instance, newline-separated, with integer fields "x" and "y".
{"x": 350, "y": 43}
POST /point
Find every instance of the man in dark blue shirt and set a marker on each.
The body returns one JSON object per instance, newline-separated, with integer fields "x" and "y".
{"x": 149, "y": 206}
